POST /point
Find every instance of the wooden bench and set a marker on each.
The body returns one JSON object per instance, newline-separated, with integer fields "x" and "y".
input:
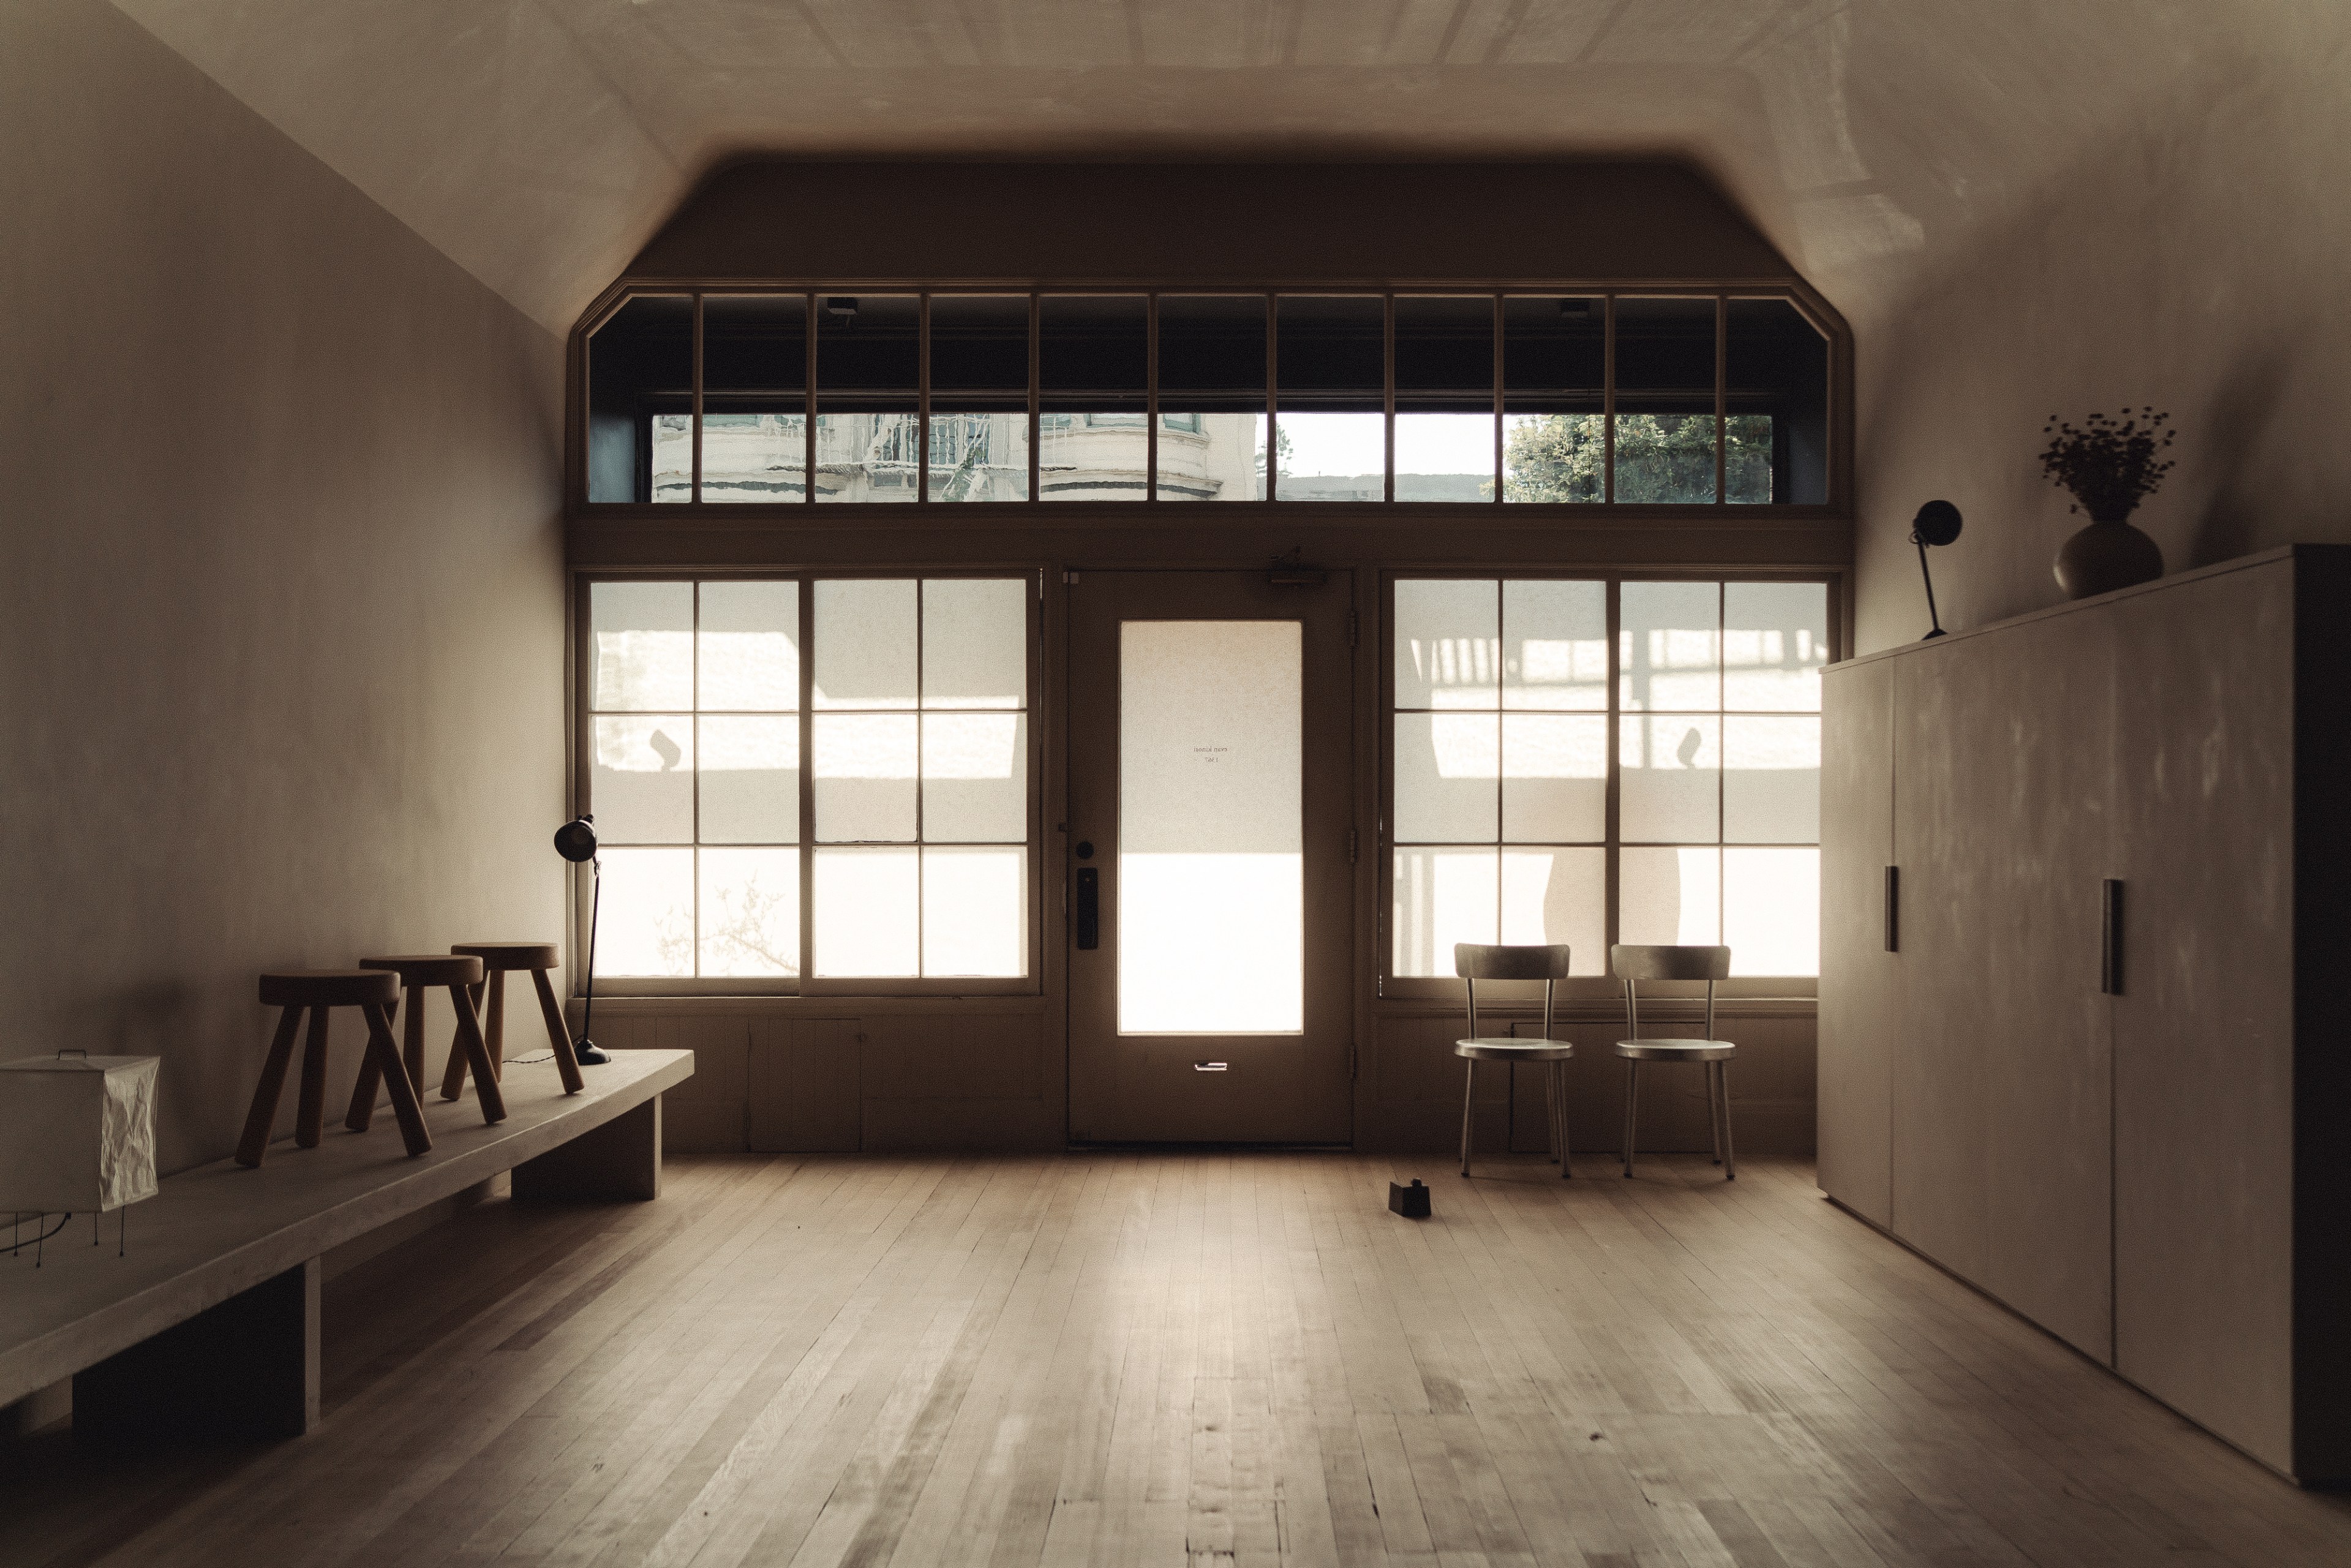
{"x": 211, "y": 1321}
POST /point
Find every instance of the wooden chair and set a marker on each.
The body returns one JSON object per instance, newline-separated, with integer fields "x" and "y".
{"x": 419, "y": 972}
{"x": 500, "y": 959}
{"x": 1475, "y": 962}
{"x": 1636, "y": 963}
{"x": 319, "y": 992}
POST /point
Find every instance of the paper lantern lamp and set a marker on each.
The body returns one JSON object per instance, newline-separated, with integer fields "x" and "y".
{"x": 76, "y": 1133}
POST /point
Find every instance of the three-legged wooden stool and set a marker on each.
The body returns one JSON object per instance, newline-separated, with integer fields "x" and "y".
{"x": 418, "y": 972}
{"x": 320, "y": 991}
{"x": 498, "y": 958}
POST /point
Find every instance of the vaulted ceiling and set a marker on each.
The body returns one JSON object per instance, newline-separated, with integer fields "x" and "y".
{"x": 539, "y": 143}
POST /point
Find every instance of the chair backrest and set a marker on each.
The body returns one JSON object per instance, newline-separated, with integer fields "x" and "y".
{"x": 1476, "y": 961}
{"x": 1634, "y": 963}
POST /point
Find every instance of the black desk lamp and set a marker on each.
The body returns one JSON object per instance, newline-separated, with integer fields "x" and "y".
{"x": 1938, "y": 523}
{"x": 576, "y": 841}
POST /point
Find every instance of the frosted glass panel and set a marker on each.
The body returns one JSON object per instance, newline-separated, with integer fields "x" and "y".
{"x": 645, "y": 916}
{"x": 863, "y": 777}
{"x": 1556, "y": 646}
{"x": 864, "y": 644}
{"x": 750, "y": 781}
{"x": 1669, "y": 783}
{"x": 1446, "y": 765}
{"x": 1447, "y": 643}
{"x": 974, "y": 786}
{"x": 1775, "y": 638}
{"x": 1554, "y": 777}
{"x": 749, "y": 649}
{"x": 643, "y": 780}
{"x": 1671, "y": 896}
{"x": 1211, "y": 876}
{"x": 751, "y": 911}
{"x": 1669, "y": 645}
{"x": 974, "y": 912}
{"x": 867, "y": 912}
{"x": 643, "y": 645}
{"x": 1441, "y": 897}
{"x": 1771, "y": 780}
{"x": 1558, "y": 896}
{"x": 1772, "y": 911}
{"x": 976, "y": 643}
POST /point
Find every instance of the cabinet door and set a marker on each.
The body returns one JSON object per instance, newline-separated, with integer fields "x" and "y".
{"x": 1861, "y": 982}
{"x": 2203, "y": 1029}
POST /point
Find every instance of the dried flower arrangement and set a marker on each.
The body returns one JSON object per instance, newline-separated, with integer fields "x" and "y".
{"x": 2108, "y": 466}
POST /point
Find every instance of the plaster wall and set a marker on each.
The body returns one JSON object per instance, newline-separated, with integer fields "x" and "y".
{"x": 281, "y": 622}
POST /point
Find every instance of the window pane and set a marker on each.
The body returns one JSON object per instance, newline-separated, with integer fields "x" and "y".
{"x": 644, "y": 921}
{"x": 1444, "y": 399}
{"x": 1445, "y": 456}
{"x": 979, "y": 398}
{"x": 865, "y": 643}
{"x": 1772, "y": 911}
{"x": 1777, "y": 370}
{"x": 1551, "y": 896}
{"x": 1212, "y": 397}
{"x": 642, "y": 785}
{"x": 1211, "y": 892}
{"x": 1554, "y": 777}
{"x": 1670, "y": 896}
{"x": 1447, "y": 765}
{"x": 975, "y": 778}
{"x": 754, "y": 397}
{"x": 1771, "y": 780}
{"x": 1557, "y": 652}
{"x": 1442, "y": 896}
{"x": 863, "y": 776}
{"x": 1664, "y": 400}
{"x": 1448, "y": 647}
{"x": 642, "y": 657}
{"x": 1670, "y": 781}
{"x": 866, "y": 913}
{"x": 868, "y": 456}
{"x": 747, "y": 650}
{"x": 1330, "y": 424}
{"x": 641, "y": 368}
{"x": 1554, "y": 357}
{"x": 1092, "y": 366}
{"x": 1775, "y": 638}
{"x": 976, "y": 643}
{"x": 978, "y": 454}
{"x": 868, "y": 368}
{"x": 1669, "y": 645}
{"x": 751, "y": 911}
{"x": 751, "y": 780}
{"x": 974, "y": 912}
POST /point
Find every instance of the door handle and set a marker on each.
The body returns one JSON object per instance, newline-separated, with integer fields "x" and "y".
{"x": 1211, "y": 1066}
{"x": 2110, "y": 938}
{"x": 1894, "y": 909}
{"x": 1089, "y": 912}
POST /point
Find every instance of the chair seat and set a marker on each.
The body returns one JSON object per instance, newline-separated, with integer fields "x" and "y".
{"x": 1514, "y": 1050}
{"x": 329, "y": 987}
{"x": 1677, "y": 1049}
{"x": 510, "y": 954}
{"x": 431, "y": 968}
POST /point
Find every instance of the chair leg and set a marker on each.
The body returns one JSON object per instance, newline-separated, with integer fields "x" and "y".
{"x": 558, "y": 1034}
{"x": 411, "y": 1039}
{"x": 1713, "y": 1110}
{"x": 478, "y": 1052}
{"x": 1468, "y": 1086}
{"x": 384, "y": 1057}
{"x": 263, "y": 1114}
{"x": 1632, "y": 1107}
{"x": 1730, "y": 1154}
{"x": 1559, "y": 1099}
{"x": 310, "y": 1108}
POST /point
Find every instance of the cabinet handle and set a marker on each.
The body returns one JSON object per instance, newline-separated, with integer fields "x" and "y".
{"x": 2110, "y": 938}
{"x": 1894, "y": 909}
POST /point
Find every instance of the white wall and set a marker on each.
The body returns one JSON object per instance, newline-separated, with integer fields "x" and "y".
{"x": 281, "y": 613}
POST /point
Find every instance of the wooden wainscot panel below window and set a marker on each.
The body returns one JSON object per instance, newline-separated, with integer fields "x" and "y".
{"x": 803, "y": 1088}
{"x": 971, "y": 1056}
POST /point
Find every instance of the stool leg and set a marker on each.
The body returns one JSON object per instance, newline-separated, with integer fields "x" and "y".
{"x": 258, "y": 1120}
{"x": 1632, "y": 1105}
{"x": 412, "y": 1037}
{"x": 494, "y": 1027}
{"x": 364, "y": 1089}
{"x": 1730, "y": 1154}
{"x": 558, "y": 1034}
{"x": 310, "y": 1110}
{"x": 1469, "y": 1087}
{"x": 452, "y": 1076}
{"x": 477, "y": 1054}
{"x": 386, "y": 1060}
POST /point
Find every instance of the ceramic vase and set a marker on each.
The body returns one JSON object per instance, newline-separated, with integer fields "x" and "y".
{"x": 2107, "y": 555}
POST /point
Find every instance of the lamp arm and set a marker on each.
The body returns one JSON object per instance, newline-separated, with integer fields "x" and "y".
{"x": 595, "y": 908}
{"x": 1933, "y": 619}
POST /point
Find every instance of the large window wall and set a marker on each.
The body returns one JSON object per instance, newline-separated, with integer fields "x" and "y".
{"x": 1656, "y": 398}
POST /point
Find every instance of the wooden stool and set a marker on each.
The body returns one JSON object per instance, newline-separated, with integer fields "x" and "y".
{"x": 320, "y": 991}
{"x": 418, "y": 972}
{"x": 498, "y": 957}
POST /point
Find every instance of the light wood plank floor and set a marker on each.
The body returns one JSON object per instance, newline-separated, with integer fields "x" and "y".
{"x": 1162, "y": 1359}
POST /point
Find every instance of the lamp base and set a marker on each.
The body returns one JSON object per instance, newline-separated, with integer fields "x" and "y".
{"x": 589, "y": 1054}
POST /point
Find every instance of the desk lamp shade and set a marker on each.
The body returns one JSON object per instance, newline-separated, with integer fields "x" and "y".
{"x": 76, "y": 1133}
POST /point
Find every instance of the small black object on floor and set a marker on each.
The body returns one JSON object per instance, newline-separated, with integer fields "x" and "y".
{"x": 1412, "y": 1202}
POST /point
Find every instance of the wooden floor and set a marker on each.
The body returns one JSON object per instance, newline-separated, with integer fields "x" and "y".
{"x": 1151, "y": 1359}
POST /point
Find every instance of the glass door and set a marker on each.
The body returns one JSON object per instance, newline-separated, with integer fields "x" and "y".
{"x": 1208, "y": 859}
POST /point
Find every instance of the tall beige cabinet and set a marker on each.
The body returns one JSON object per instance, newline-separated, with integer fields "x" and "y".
{"x": 2082, "y": 905}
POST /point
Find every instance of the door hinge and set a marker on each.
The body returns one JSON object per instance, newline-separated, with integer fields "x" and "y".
{"x": 1354, "y": 627}
{"x": 1379, "y": 985}
{"x": 1351, "y": 846}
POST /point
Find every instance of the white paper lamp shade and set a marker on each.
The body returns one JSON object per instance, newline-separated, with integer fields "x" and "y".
{"x": 76, "y": 1133}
